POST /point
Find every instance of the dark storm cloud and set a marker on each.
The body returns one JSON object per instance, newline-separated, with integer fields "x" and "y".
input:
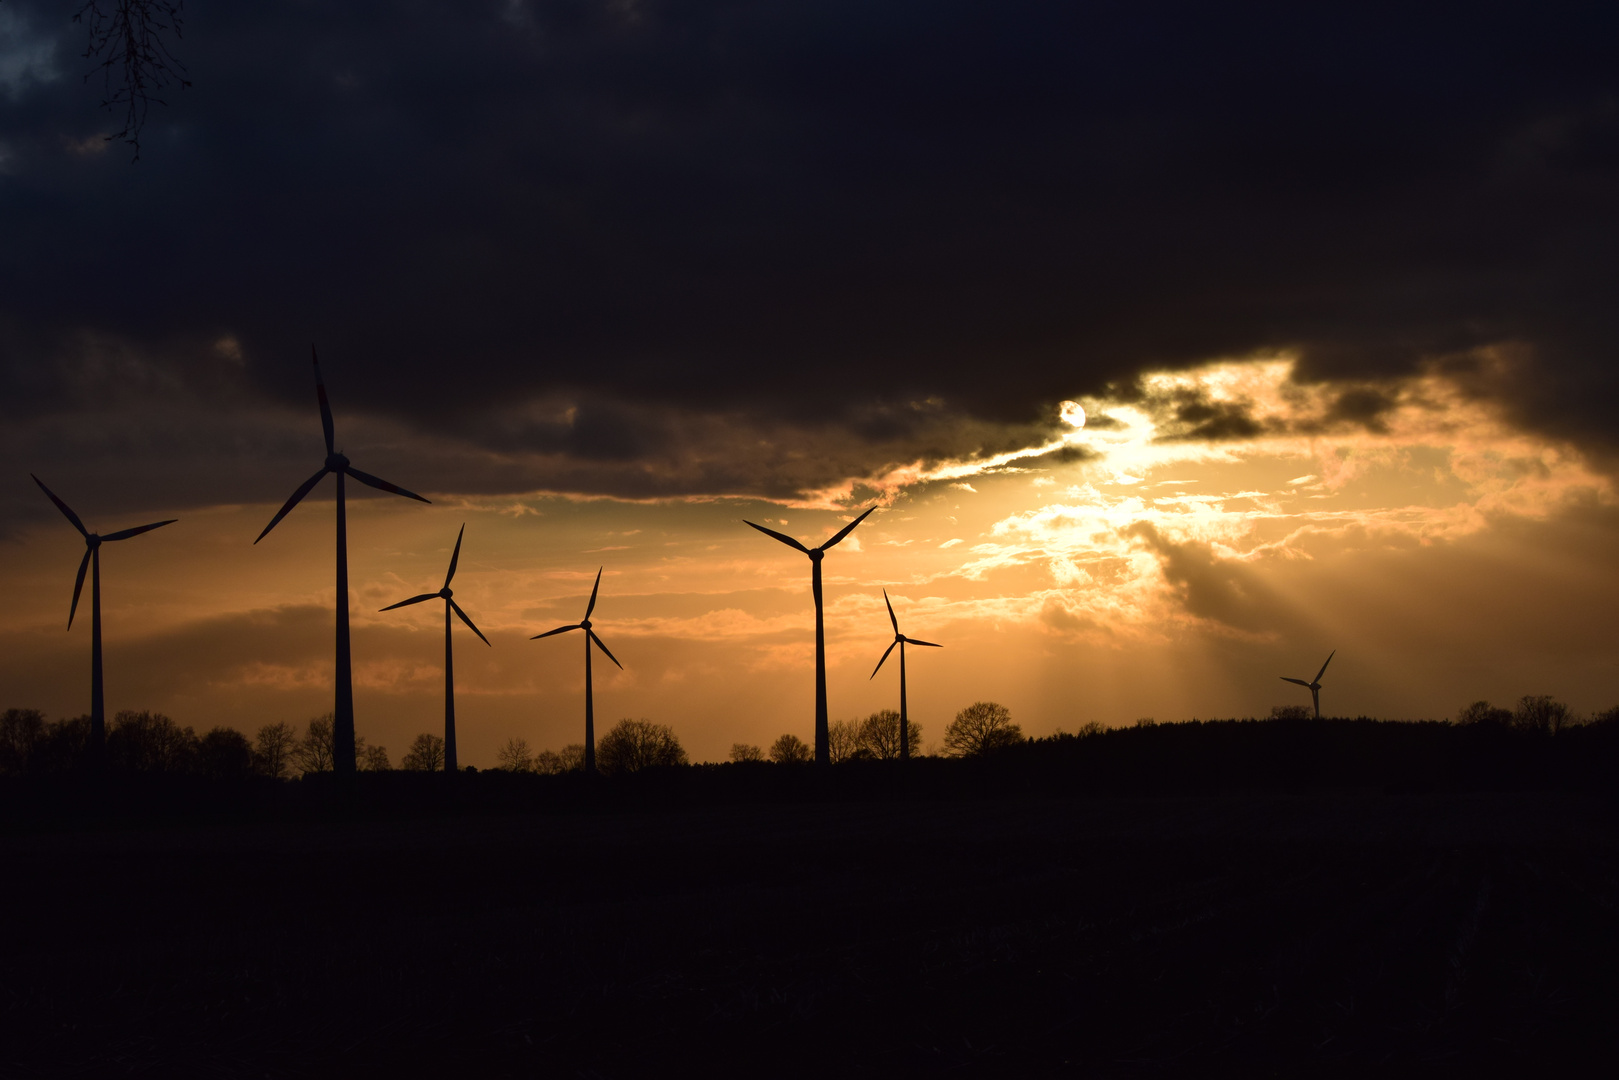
{"x": 813, "y": 216}
{"x": 1224, "y": 591}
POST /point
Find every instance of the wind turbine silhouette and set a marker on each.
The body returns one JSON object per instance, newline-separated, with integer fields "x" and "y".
{"x": 590, "y": 705}
{"x": 823, "y": 745}
{"x": 92, "y": 561}
{"x": 449, "y": 656}
{"x": 338, "y": 465}
{"x": 1314, "y": 686}
{"x": 901, "y": 640}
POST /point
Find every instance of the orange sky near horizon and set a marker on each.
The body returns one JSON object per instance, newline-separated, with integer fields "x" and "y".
{"x": 1137, "y": 569}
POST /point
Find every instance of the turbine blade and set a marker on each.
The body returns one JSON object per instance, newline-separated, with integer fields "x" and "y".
{"x": 1323, "y": 670}
{"x": 78, "y": 585}
{"x": 592, "y": 605}
{"x": 847, "y": 529}
{"x": 125, "y": 534}
{"x": 325, "y": 406}
{"x": 783, "y": 537}
{"x": 62, "y": 506}
{"x": 412, "y": 600}
{"x": 297, "y": 496}
{"x": 891, "y": 617}
{"x": 382, "y": 485}
{"x": 1301, "y": 682}
{"x": 929, "y": 644}
{"x": 455, "y": 556}
{"x": 880, "y": 663}
{"x": 558, "y": 630}
{"x": 463, "y": 616}
{"x": 603, "y": 648}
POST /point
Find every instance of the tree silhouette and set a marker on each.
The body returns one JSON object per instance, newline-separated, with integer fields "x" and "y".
{"x": 742, "y": 751}
{"x": 273, "y": 749}
{"x": 515, "y": 756}
{"x": 790, "y": 750}
{"x": 842, "y": 740}
{"x": 981, "y": 728}
{"x": 150, "y": 742}
{"x": 375, "y": 759}
{"x": 879, "y": 734}
{"x": 225, "y": 754}
{"x": 1483, "y": 714}
{"x": 129, "y": 37}
{"x": 21, "y": 732}
{"x": 426, "y": 754}
{"x": 633, "y": 745}
{"x": 1541, "y": 714}
{"x": 570, "y": 758}
{"x": 316, "y": 751}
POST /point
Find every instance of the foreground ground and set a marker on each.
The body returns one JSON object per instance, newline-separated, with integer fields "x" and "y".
{"x": 1289, "y": 935}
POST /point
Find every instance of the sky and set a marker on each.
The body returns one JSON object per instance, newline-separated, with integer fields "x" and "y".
{"x": 1177, "y": 347}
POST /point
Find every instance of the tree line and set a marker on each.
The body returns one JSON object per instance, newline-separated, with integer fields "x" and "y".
{"x": 150, "y": 742}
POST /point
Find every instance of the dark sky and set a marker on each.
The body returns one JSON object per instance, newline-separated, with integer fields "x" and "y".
{"x": 856, "y": 232}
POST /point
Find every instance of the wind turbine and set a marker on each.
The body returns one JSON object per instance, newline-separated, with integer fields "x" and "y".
{"x": 901, "y": 640}
{"x": 823, "y": 745}
{"x": 449, "y": 656}
{"x": 590, "y": 705}
{"x": 338, "y": 465}
{"x": 1314, "y": 686}
{"x": 92, "y": 560}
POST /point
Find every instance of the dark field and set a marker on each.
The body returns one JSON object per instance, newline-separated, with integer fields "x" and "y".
{"x": 1273, "y": 934}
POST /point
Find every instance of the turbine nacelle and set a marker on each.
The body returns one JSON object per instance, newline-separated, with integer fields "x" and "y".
{"x": 336, "y": 462}
{"x": 816, "y": 555}
{"x": 446, "y": 592}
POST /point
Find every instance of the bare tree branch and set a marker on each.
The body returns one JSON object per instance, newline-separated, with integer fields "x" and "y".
{"x": 128, "y": 37}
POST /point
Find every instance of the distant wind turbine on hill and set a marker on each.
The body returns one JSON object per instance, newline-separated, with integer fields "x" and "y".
{"x": 92, "y": 561}
{"x": 823, "y": 743}
{"x": 901, "y": 640}
{"x": 1314, "y": 685}
{"x": 338, "y": 465}
{"x": 447, "y": 594}
{"x": 590, "y": 636}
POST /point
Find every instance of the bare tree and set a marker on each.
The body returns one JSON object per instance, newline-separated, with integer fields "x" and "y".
{"x": 426, "y": 754}
{"x": 273, "y": 749}
{"x": 981, "y": 728}
{"x": 1483, "y": 714}
{"x": 515, "y": 756}
{"x": 570, "y": 758}
{"x": 879, "y": 735}
{"x": 1290, "y": 712}
{"x": 633, "y": 745}
{"x": 790, "y": 750}
{"x": 375, "y": 759}
{"x": 21, "y": 732}
{"x": 150, "y": 742}
{"x": 225, "y": 754}
{"x": 128, "y": 38}
{"x": 1541, "y": 714}
{"x": 742, "y": 751}
{"x": 317, "y": 750}
{"x": 842, "y": 740}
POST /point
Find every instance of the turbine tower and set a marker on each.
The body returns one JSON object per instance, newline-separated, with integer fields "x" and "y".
{"x": 1314, "y": 685}
{"x": 338, "y": 466}
{"x": 823, "y": 745}
{"x": 450, "y": 605}
{"x": 901, "y": 640}
{"x": 92, "y": 561}
{"x": 590, "y": 705}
